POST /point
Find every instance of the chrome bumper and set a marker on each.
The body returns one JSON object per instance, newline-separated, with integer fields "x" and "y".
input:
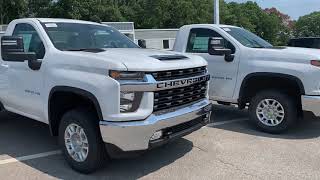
{"x": 311, "y": 103}
{"x": 135, "y": 135}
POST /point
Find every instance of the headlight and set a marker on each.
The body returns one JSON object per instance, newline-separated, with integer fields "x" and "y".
{"x": 129, "y": 101}
{"x": 126, "y": 75}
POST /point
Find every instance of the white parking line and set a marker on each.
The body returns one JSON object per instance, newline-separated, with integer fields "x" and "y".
{"x": 51, "y": 153}
{"x": 227, "y": 122}
{"x": 29, "y": 157}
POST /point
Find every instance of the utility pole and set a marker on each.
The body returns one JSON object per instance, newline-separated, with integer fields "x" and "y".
{"x": 216, "y": 12}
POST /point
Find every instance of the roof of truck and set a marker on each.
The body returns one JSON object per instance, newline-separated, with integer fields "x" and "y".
{"x": 215, "y": 25}
{"x": 57, "y": 20}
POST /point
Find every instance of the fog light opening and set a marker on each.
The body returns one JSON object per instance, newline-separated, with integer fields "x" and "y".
{"x": 206, "y": 118}
{"x": 157, "y": 135}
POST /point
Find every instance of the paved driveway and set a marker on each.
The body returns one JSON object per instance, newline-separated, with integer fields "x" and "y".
{"x": 230, "y": 148}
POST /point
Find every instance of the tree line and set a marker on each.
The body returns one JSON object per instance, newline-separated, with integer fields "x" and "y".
{"x": 270, "y": 24}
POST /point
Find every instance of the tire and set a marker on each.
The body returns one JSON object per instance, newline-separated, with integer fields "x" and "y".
{"x": 96, "y": 154}
{"x": 273, "y": 121}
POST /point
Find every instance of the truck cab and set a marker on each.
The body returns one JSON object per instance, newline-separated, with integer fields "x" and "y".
{"x": 275, "y": 83}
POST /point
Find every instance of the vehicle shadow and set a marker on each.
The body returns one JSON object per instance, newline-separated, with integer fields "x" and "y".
{"x": 21, "y": 136}
{"x": 307, "y": 127}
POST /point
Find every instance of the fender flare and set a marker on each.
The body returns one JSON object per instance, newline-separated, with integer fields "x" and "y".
{"x": 268, "y": 75}
{"x": 86, "y": 94}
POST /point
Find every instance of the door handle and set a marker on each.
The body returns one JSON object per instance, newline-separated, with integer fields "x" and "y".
{"x": 5, "y": 65}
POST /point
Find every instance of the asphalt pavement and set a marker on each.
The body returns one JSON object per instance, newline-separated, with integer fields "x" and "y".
{"x": 229, "y": 148}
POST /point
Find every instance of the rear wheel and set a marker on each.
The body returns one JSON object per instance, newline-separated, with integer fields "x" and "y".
{"x": 273, "y": 111}
{"x": 80, "y": 141}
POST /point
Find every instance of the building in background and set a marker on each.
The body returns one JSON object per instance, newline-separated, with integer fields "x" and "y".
{"x": 156, "y": 38}
{"x": 3, "y": 29}
{"x": 126, "y": 28}
{"x": 147, "y": 38}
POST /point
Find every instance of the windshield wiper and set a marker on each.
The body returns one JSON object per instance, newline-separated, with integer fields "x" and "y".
{"x": 87, "y": 49}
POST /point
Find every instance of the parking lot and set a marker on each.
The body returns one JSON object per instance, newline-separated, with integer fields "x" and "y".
{"x": 230, "y": 148}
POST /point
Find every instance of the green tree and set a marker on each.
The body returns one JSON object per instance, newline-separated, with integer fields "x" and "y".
{"x": 250, "y": 16}
{"x": 269, "y": 24}
{"x": 166, "y": 13}
{"x": 91, "y": 10}
{"x": 11, "y": 9}
{"x": 39, "y": 8}
{"x": 308, "y": 26}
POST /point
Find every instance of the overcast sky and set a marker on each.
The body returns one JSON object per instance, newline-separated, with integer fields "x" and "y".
{"x": 294, "y": 8}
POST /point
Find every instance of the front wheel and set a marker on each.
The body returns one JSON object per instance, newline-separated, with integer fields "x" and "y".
{"x": 273, "y": 111}
{"x": 80, "y": 141}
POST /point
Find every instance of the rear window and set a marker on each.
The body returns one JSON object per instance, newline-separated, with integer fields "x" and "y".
{"x": 305, "y": 43}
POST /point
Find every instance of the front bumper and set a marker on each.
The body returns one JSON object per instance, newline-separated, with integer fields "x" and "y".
{"x": 311, "y": 103}
{"x": 135, "y": 135}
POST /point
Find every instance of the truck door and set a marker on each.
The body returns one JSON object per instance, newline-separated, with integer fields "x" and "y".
{"x": 25, "y": 85}
{"x": 223, "y": 73}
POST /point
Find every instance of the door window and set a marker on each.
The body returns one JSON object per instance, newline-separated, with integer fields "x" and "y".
{"x": 31, "y": 39}
{"x": 199, "y": 38}
{"x": 166, "y": 44}
{"x": 316, "y": 43}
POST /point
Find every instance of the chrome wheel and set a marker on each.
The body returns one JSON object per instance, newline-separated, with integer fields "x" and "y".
{"x": 76, "y": 142}
{"x": 270, "y": 112}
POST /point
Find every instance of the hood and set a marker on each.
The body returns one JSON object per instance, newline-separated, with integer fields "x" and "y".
{"x": 291, "y": 54}
{"x": 136, "y": 59}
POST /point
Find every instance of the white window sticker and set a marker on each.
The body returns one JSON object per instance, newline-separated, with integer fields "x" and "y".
{"x": 227, "y": 29}
{"x": 51, "y": 25}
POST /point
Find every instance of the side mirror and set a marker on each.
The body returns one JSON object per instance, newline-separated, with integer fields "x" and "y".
{"x": 217, "y": 47}
{"x": 12, "y": 49}
{"x": 142, "y": 43}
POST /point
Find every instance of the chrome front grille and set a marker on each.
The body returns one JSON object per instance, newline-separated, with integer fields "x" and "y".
{"x": 178, "y": 74}
{"x": 166, "y": 99}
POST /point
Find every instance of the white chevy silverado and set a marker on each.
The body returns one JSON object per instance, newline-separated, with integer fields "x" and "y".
{"x": 97, "y": 89}
{"x": 277, "y": 83}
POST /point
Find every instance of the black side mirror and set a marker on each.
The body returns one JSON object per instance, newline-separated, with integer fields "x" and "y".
{"x": 142, "y": 43}
{"x": 12, "y": 49}
{"x": 217, "y": 47}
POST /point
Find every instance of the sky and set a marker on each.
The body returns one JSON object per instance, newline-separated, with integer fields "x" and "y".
{"x": 294, "y": 8}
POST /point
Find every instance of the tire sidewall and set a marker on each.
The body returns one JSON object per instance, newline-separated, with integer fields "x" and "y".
{"x": 94, "y": 140}
{"x": 287, "y": 103}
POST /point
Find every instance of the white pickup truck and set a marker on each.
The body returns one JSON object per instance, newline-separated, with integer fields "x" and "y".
{"x": 97, "y": 89}
{"x": 277, "y": 83}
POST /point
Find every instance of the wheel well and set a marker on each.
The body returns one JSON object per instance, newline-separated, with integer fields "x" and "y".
{"x": 263, "y": 81}
{"x": 61, "y": 101}
{"x": 1, "y": 107}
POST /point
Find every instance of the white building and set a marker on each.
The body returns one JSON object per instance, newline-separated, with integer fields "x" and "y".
{"x": 149, "y": 38}
{"x": 156, "y": 38}
{"x": 3, "y": 27}
{"x": 126, "y": 28}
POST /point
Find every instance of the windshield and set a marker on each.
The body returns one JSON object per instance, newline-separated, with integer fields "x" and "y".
{"x": 247, "y": 38}
{"x": 76, "y": 36}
